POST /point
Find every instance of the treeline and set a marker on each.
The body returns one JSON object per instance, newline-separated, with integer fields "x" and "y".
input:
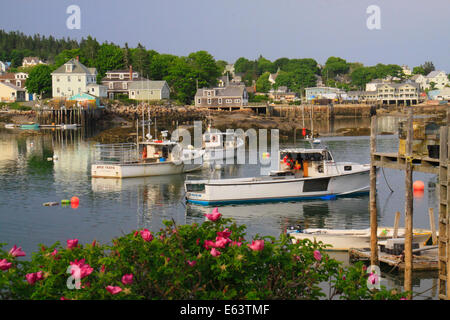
{"x": 185, "y": 74}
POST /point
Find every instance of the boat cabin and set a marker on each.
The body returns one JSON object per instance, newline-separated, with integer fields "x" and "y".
{"x": 158, "y": 151}
{"x": 305, "y": 162}
{"x": 216, "y": 140}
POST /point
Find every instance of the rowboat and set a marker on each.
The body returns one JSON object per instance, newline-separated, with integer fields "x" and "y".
{"x": 10, "y": 126}
{"x": 69, "y": 126}
{"x": 30, "y": 126}
{"x": 343, "y": 240}
{"x": 302, "y": 174}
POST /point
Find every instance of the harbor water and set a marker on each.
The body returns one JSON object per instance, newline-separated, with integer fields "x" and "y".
{"x": 54, "y": 165}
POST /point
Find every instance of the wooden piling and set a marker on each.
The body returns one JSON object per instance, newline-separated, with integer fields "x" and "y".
{"x": 373, "y": 195}
{"x": 443, "y": 210}
{"x": 396, "y": 223}
{"x": 432, "y": 225}
{"x": 408, "y": 205}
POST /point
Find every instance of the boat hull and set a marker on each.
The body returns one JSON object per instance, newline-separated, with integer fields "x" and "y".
{"x": 343, "y": 240}
{"x": 141, "y": 169}
{"x": 257, "y": 190}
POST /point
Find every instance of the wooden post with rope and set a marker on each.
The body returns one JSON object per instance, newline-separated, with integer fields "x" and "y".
{"x": 408, "y": 205}
{"x": 373, "y": 195}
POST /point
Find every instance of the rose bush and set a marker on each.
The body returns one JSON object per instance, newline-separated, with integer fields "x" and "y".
{"x": 208, "y": 261}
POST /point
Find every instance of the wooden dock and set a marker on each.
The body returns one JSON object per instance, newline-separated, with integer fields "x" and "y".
{"x": 426, "y": 261}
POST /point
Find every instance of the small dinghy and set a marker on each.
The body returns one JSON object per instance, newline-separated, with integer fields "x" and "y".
{"x": 10, "y": 126}
{"x": 343, "y": 240}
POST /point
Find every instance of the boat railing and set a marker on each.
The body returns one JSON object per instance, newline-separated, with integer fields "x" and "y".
{"x": 120, "y": 153}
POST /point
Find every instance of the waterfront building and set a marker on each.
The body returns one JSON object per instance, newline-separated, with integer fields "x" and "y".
{"x": 18, "y": 79}
{"x": 85, "y": 100}
{"x": 118, "y": 81}
{"x": 442, "y": 94}
{"x": 439, "y": 78}
{"x": 324, "y": 93}
{"x": 231, "y": 96}
{"x": 149, "y": 90}
{"x": 398, "y": 93}
{"x": 97, "y": 90}
{"x": 72, "y": 78}
{"x": 11, "y": 93}
{"x": 282, "y": 94}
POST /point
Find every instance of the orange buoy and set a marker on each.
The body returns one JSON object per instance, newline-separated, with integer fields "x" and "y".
{"x": 418, "y": 185}
{"x": 75, "y": 200}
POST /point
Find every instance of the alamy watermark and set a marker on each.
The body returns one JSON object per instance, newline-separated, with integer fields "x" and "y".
{"x": 374, "y": 20}
{"x": 74, "y": 19}
{"x": 374, "y": 279}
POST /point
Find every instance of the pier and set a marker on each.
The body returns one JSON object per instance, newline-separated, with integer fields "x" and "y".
{"x": 433, "y": 259}
{"x": 80, "y": 116}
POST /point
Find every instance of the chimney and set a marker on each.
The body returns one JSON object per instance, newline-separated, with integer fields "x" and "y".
{"x": 131, "y": 73}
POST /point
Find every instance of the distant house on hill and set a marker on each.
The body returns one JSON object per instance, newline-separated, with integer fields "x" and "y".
{"x": 231, "y": 96}
{"x": 18, "y": 79}
{"x": 438, "y": 77}
{"x": 282, "y": 94}
{"x": 4, "y": 66}
{"x": 31, "y": 61}
{"x": 149, "y": 90}
{"x": 72, "y": 78}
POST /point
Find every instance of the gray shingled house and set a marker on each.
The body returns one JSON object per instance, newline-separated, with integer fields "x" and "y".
{"x": 231, "y": 96}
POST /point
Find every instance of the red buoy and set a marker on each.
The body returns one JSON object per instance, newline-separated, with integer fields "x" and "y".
{"x": 75, "y": 200}
{"x": 418, "y": 185}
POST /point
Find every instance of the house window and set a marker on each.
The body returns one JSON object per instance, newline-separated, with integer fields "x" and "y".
{"x": 57, "y": 90}
{"x": 237, "y": 100}
{"x": 79, "y": 79}
{"x": 132, "y": 93}
{"x": 228, "y": 100}
{"x": 209, "y": 93}
{"x": 199, "y": 101}
{"x": 111, "y": 85}
{"x": 220, "y": 100}
{"x": 68, "y": 78}
{"x": 57, "y": 79}
{"x": 121, "y": 76}
{"x": 209, "y": 100}
{"x": 18, "y": 83}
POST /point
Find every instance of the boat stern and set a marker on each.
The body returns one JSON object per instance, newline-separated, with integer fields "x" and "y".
{"x": 106, "y": 171}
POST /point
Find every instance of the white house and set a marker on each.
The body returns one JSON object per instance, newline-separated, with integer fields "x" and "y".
{"x": 31, "y": 61}
{"x": 421, "y": 80}
{"x": 406, "y": 70}
{"x": 439, "y": 78}
{"x": 97, "y": 90}
{"x": 72, "y": 78}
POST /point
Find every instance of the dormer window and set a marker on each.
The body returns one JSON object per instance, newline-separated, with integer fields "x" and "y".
{"x": 121, "y": 76}
{"x": 124, "y": 85}
{"x": 69, "y": 67}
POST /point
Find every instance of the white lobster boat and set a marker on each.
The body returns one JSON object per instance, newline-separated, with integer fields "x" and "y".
{"x": 302, "y": 174}
{"x": 220, "y": 145}
{"x": 156, "y": 158}
{"x": 343, "y": 240}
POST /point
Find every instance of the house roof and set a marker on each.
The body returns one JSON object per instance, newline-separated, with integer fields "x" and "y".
{"x": 433, "y": 74}
{"x": 147, "y": 84}
{"x": 398, "y": 85}
{"x": 229, "y": 91}
{"x": 12, "y": 86}
{"x": 30, "y": 59}
{"x": 77, "y": 68}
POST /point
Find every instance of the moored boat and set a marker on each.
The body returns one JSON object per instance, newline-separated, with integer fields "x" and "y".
{"x": 302, "y": 174}
{"x": 30, "y": 126}
{"x": 343, "y": 240}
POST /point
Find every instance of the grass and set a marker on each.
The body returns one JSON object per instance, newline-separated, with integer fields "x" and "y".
{"x": 15, "y": 106}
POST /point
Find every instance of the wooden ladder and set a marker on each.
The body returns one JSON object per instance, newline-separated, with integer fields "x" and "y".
{"x": 444, "y": 206}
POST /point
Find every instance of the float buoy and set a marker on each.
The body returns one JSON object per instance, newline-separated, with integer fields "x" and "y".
{"x": 418, "y": 185}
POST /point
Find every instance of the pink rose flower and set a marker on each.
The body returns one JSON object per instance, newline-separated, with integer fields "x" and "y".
{"x": 209, "y": 244}
{"x": 214, "y": 216}
{"x": 79, "y": 268}
{"x": 236, "y": 243}
{"x": 221, "y": 242}
{"x": 5, "y": 265}
{"x": 317, "y": 255}
{"x": 127, "y": 279}
{"x": 16, "y": 252}
{"x": 135, "y": 233}
{"x": 102, "y": 269}
{"x": 31, "y": 278}
{"x": 72, "y": 243}
{"x": 113, "y": 290}
{"x": 225, "y": 233}
{"x": 191, "y": 263}
{"x": 257, "y": 245}
{"x": 215, "y": 253}
{"x": 146, "y": 235}
{"x": 63, "y": 298}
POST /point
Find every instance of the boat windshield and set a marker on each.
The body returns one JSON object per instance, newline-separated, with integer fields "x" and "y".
{"x": 307, "y": 156}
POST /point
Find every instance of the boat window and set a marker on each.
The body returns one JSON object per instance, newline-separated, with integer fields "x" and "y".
{"x": 196, "y": 187}
{"x": 347, "y": 168}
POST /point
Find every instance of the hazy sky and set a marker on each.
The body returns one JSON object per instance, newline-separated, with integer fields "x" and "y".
{"x": 412, "y": 31}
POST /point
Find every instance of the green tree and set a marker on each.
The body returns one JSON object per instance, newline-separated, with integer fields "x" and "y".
{"x": 40, "y": 80}
{"x": 263, "y": 84}
{"x": 182, "y": 80}
{"x": 88, "y": 49}
{"x": 140, "y": 60}
{"x": 280, "y": 63}
{"x": 205, "y": 66}
{"x": 243, "y": 65}
{"x": 67, "y": 55}
{"x": 334, "y": 66}
{"x": 428, "y": 66}
{"x": 160, "y": 64}
{"x": 221, "y": 64}
{"x": 109, "y": 57}
{"x": 265, "y": 65}
{"x": 419, "y": 70}
{"x": 361, "y": 76}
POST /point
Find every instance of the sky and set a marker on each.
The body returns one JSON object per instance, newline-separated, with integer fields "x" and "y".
{"x": 411, "y": 31}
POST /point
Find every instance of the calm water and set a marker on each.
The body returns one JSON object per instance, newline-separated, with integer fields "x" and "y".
{"x": 111, "y": 207}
